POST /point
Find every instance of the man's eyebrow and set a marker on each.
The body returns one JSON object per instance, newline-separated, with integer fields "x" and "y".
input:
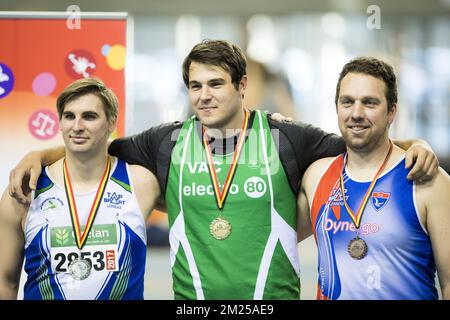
{"x": 371, "y": 98}
{"x": 345, "y": 97}
{"x": 193, "y": 82}
{"x": 217, "y": 80}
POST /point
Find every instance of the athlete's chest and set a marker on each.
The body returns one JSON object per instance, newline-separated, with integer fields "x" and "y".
{"x": 381, "y": 215}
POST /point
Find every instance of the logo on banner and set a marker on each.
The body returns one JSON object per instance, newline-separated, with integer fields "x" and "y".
{"x": 43, "y": 124}
{"x": 379, "y": 199}
{"x": 6, "y": 80}
{"x": 79, "y": 63}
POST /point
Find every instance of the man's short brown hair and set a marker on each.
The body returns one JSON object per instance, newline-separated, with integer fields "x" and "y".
{"x": 220, "y": 53}
{"x": 86, "y": 86}
{"x": 375, "y": 68}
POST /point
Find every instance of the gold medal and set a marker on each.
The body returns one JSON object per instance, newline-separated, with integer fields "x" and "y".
{"x": 220, "y": 228}
{"x": 357, "y": 248}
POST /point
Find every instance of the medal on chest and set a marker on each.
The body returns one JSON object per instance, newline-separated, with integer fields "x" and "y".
{"x": 357, "y": 248}
{"x": 220, "y": 227}
{"x": 80, "y": 268}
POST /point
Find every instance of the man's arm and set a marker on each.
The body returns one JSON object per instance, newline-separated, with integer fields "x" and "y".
{"x": 143, "y": 148}
{"x": 146, "y": 188}
{"x": 305, "y": 197}
{"x": 304, "y": 226}
{"x": 419, "y": 153}
{"x": 312, "y": 143}
{"x": 433, "y": 200}
{"x": 23, "y": 178}
{"x": 11, "y": 245}
{"x": 301, "y": 144}
{"x": 140, "y": 149}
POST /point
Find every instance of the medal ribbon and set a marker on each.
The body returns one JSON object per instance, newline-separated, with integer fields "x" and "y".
{"x": 357, "y": 218}
{"x": 79, "y": 236}
{"x": 221, "y": 194}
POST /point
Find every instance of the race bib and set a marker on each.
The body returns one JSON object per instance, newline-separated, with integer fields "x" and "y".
{"x": 99, "y": 253}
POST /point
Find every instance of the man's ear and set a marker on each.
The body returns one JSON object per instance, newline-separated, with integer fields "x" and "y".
{"x": 243, "y": 86}
{"x": 392, "y": 113}
{"x": 112, "y": 125}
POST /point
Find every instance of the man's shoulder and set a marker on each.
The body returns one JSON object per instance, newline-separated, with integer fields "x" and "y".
{"x": 162, "y": 134}
{"x": 315, "y": 172}
{"x": 49, "y": 174}
{"x": 139, "y": 174}
{"x": 288, "y": 126}
{"x": 438, "y": 187}
{"x": 301, "y": 134}
{"x": 319, "y": 167}
{"x": 165, "y": 128}
{"x": 137, "y": 169}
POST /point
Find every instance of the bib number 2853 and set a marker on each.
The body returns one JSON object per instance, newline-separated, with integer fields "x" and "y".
{"x": 105, "y": 260}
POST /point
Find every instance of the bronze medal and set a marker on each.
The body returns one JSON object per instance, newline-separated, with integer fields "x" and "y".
{"x": 357, "y": 248}
{"x": 220, "y": 228}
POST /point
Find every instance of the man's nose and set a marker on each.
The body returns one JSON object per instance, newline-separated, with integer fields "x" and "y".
{"x": 78, "y": 124}
{"x": 358, "y": 110}
{"x": 205, "y": 93}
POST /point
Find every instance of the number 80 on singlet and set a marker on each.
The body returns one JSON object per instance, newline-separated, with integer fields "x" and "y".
{"x": 255, "y": 187}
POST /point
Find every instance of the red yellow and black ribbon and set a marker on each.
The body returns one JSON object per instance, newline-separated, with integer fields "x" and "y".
{"x": 81, "y": 237}
{"x": 222, "y": 194}
{"x": 357, "y": 218}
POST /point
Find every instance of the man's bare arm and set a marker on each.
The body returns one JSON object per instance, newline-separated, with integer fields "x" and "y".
{"x": 304, "y": 227}
{"x": 435, "y": 196}
{"x": 23, "y": 178}
{"x": 12, "y": 242}
{"x": 146, "y": 188}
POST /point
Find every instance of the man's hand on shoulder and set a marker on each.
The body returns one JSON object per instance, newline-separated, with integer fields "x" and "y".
{"x": 23, "y": 178}
{"x": 280, "y": 118}
{"x": 424, "y": 163}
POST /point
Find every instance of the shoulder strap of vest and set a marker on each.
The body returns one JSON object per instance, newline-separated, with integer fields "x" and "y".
{"x": 328, "y": 181}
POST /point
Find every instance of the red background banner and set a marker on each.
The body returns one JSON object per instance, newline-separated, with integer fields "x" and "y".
{"x": 39, "y": 57}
